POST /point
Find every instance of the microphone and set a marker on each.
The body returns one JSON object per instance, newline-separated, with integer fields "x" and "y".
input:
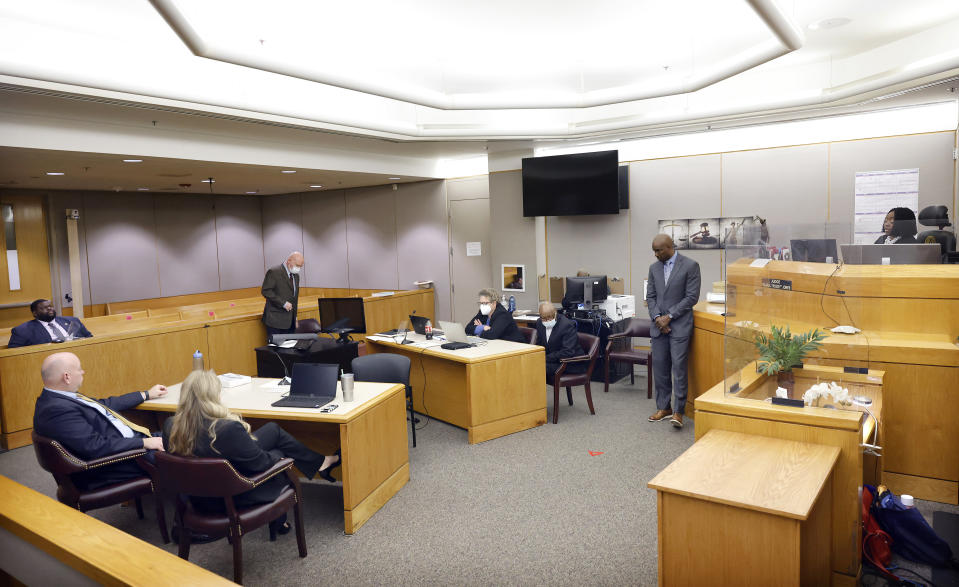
{"x": 286, "y": 374}
{"x": 406, "y": 332}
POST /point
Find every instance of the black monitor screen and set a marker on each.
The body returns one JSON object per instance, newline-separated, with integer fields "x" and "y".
{"x": 576, "y": 288}
{"x": 814, "y": 250}
{"x": 338, "y": 313}
{"x": 569, "y": 185}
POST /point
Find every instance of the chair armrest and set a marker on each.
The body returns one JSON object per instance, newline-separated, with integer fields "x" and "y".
{"x": 577, "y": 359}
{"x": 115, "y": 458}
{"x": 616, "y": 335}
{"x": 277, "y": 468}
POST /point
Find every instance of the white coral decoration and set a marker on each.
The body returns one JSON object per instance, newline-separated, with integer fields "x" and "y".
{"x": 839, "y": 394}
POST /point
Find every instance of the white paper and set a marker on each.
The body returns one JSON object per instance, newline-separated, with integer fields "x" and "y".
{"x": 474, "y": 249}
{"x": 876, "y": 193}
{"x": 760, "y": 262}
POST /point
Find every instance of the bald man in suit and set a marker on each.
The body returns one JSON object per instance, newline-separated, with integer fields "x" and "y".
{"x": 671, "y": 293}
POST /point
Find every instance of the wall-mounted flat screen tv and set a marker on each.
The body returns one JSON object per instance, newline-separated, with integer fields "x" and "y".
{"x": 570, "y": 185}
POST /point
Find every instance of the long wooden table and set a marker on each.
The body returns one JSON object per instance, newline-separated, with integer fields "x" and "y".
{"x": 135, "y": 354}
{"x": 370, "y": 432}
{"x": 739, "y": 509}
{"x": 44, "y": 542}
{"x": 490, "y": 390}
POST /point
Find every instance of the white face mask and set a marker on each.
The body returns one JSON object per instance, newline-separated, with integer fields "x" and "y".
{"x": 549, "y": 323}
{"x": 485, "y": 309}
{"x": 295, "y": 270}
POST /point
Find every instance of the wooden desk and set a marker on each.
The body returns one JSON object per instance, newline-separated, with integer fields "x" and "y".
{"x": 738, "y": 509}
{"x": 370, "y": 432}
{"x": 47, "y": 542}
{"x": 491, "y": 390}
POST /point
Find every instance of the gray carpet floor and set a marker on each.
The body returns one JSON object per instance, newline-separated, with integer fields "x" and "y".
{"x": 530, "y": 508}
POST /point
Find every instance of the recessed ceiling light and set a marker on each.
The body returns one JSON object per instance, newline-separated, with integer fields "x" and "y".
{"x": 829, "y": 23}
{"x": 143, "y": 189}
{"x": 251, "y": 192}
{"x": 394, "y": 178}
{"x": 288, "y": 171}
{"x": 211, "y": 180}
{"x": 133, "y": 160}
{"x": 316, "y": 186}
{"x": 55, "y": 173}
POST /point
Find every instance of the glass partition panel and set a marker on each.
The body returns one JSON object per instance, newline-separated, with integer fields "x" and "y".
{"x": 10, "y": 244}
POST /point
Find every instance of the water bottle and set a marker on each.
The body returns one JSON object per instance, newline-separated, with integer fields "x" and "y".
{"x": 198, "y": 360}
{"x": 429, "y": 330}
{"x": 512, "y": 304}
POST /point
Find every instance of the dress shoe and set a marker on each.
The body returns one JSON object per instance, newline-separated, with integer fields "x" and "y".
{"x": 279, "y": 526}
{"x": 325, "y": 473}
{"x": 676, "y": 420}
{"x": 660, "y": 415}
{"x": 195, "y": 537}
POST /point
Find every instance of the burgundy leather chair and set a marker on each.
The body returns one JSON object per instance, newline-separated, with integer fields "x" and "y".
{"x": 528, "y": 333}
{"x": 638, "y": 327}
{"x": 62, "y": 464}
{"x": 307, "y": 326}
{"x": 590, "y": 346}
{"x": 206, "y": 477}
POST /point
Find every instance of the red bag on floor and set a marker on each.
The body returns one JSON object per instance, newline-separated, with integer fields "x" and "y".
{"x": 876, "y": 544}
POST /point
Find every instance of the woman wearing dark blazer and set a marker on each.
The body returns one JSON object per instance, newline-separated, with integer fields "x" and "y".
{"x": 204, "y": 427}
{"x": 898, "y": 228}
{"x": 493, "y": 320}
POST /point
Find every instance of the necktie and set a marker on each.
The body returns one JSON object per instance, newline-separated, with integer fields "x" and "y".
{"x": 134, "y": 427}
{"x": 292, "y": 286}
{"x": 54, "y": 333}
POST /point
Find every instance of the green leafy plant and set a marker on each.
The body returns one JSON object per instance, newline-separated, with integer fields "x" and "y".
{"x": 780, "y": 351}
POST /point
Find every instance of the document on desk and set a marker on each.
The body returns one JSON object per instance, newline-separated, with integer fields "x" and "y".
{"x": 274, "y": 387}
{"x": 381, "y": 338}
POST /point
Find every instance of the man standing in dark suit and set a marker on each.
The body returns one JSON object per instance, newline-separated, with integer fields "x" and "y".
{"x": 281, "y": 286}
{"x": 671, "y": 292}
{"x": 91, "y": 428}
{"x": 46, "y": 327}
{"x": 557, "y": 334}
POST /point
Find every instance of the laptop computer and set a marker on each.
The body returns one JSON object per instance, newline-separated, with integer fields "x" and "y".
{"x": 400, "y": 329}
{"x": 314, "y": 385}
{"x": 419, "y": 325}
{"x": 456, "y": 335}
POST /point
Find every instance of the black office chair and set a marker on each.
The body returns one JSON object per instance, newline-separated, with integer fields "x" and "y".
{"x": 387, "y": 368}
{"x": 937, "y": 216}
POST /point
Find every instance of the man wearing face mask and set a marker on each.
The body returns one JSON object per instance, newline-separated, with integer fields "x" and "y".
{"x": 281, "y": 286}
{"x": 557, "y": 334}
{"x": 46, "y": 327}
{"x": 493, "y": 320}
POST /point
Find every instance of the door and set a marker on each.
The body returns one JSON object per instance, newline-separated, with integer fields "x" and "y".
{"x": 469, "y": 223}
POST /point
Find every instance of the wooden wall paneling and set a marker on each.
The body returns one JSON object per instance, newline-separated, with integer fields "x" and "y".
{"x": 32, "y": 251}
{"x": 705, "y": 365}
{"x": 502, "y": 388}
{"x": 184, "y": 300}
{"x": 231, "y": 345}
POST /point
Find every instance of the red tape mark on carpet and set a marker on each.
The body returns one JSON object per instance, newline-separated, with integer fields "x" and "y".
{"x": 594, "y": 453}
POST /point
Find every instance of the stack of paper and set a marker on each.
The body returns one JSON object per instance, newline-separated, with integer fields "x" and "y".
{"x": 234, "y": 380}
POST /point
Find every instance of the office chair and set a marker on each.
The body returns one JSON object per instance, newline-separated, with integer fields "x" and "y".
{"x": 307, "y": 326}
{"x": 937, "y": 216}
{"x": 637, "y": 328}
{"x": 529, "y": 334}
{"x": 207, "y": 477}
{"x": 387, "y": 368}
{"x": 590, "y": 346}
{"x": 62, "y": 464}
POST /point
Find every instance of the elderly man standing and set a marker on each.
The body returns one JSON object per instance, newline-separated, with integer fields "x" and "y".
{"x": 671, "y": 293}
{"x": 91, "y": 428}
{"x": 281, "y": 286}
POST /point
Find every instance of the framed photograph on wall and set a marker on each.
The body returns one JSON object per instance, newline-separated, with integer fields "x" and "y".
{"x": 704, "y": 233}
{"x": 514, "y": 278}
{"x": 678, "y": 230}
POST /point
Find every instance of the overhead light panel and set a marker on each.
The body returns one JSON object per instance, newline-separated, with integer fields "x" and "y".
{"x": 316, "y": 186}
{"x": 55, "y": 173}
{"x": 133, "y": 160}
{"x": 288, "y": 171}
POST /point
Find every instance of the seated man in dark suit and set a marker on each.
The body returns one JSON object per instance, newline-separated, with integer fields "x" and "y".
{"x": 46, "y": 327}
{"x": 557, "y": 334}
{"x": 90, "y": 428}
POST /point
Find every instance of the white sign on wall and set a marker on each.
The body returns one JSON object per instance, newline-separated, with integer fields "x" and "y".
{"x": 877, "y": 192}
{"x": 474, "y": 249}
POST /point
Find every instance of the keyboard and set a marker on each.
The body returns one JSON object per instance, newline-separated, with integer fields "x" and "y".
{"x": 302, "y": 402}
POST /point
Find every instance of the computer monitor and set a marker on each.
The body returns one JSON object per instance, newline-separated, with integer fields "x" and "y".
{"x": 587, "y": 290}
{"x": 908, "y": 254}
{"x": 814, "y": 250}
{"x": 342, "y": 315}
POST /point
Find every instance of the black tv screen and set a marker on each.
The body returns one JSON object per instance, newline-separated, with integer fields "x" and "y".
{"x": 570, "y": 185}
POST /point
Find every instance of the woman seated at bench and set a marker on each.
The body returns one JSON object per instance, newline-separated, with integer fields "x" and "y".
{"x": 204, "y": 427}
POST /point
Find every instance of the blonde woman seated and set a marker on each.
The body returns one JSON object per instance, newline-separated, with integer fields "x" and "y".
{"x": 204, "y": 427}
